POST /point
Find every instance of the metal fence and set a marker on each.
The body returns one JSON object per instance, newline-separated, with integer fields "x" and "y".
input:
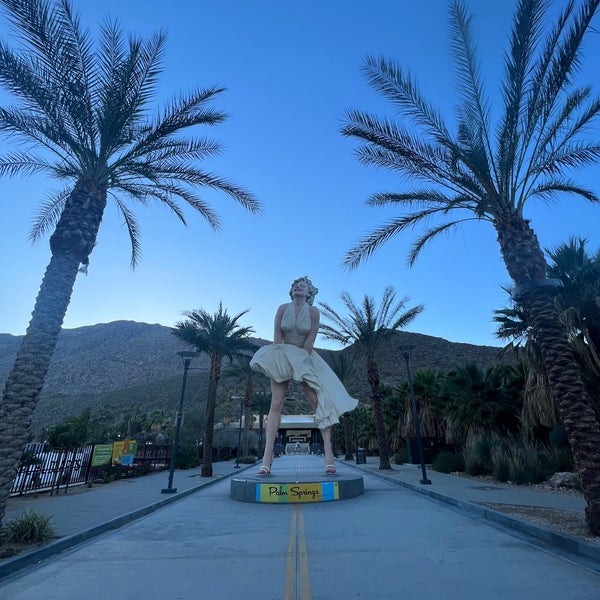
{"x": 49, "y": 469}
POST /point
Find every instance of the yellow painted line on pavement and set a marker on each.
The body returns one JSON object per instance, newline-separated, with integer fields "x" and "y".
{"x": 297, "y": 577}
{"x": 304, "y": 573}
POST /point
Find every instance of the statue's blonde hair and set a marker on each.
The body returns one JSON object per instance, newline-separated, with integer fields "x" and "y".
{"x": 312, "y": 290}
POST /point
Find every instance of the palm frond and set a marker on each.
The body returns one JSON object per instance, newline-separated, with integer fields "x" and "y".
{"x": 429, "y": 196}
{"x": 48, "y": 215}
{"x": 526, "y": 31}
{"x": 475, "y": 107}
{"x": 133, "y": 230}
{"x": 429, "y": 234}
{"x": 401, "y": 89}
{"x": 547, "y": 190}
{"x": 21, "y": 163}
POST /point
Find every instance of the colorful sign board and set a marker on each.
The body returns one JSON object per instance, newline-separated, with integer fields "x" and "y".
{"x": 297, "y": 492}
{"x": 124, "y": 452}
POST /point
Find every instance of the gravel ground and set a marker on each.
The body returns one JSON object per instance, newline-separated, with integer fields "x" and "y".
{"x": 563, "y": 521}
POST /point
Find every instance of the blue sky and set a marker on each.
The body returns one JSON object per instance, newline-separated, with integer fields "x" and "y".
{"x": 291, "y": 70}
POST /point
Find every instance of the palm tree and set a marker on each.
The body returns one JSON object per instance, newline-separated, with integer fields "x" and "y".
{"x": 261, "y": 404}
{"x": 368, "y": 327}
{"x": 82, "y": 116}
{"x": 241, "y": 373}
{"x": 489, "y": 171}
{"x": 479, "y": 403}
{"x": 345, "y": 365}
{"x": 578, "y": 308}
{"x": 578, "y": 300}
{"x": 219, "y": 336}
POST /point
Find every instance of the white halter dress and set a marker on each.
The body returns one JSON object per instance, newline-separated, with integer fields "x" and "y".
{"x": 290, "y": 361}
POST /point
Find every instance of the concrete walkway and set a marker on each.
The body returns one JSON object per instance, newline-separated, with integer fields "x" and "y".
{"x": 389, "y": 542}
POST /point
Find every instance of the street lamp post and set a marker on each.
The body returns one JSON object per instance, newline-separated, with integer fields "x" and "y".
{"x": 187, "y": 359}
{"x": 355, "y": 438}
{"x": 406, "y": 352}
{"x": 239, "y": 448}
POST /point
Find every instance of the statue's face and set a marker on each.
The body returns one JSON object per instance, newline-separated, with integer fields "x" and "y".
{"x": 300, "y": 288}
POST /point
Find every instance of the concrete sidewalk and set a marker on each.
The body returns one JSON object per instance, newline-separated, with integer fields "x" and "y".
{"x": 85, "y": 512}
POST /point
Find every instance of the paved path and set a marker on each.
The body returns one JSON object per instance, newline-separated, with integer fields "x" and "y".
{"x": 389, "y": 543}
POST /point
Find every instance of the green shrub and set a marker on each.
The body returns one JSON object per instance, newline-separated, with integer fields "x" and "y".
{"x": 525, "y": 463}
{"x": 555, "y": 460}
{"x": 29, "y": 528}
{"x": 473, "y": 464}
{"x": 248, "y": 460}
{"x": 187, "y": 458}
{"x": 483, "y": 449}
{"x": 448, "y": 462}
{"x": 401, "y": 456}
{"x": 225, "y": 453}
{"x": 558, "y": 437}
{"x": 500, "y": 463}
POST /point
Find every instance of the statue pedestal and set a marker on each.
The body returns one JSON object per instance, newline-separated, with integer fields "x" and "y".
{"x": 297, "y": 479}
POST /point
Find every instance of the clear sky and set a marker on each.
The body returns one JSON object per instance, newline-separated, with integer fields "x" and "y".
{"x": 291, "y": 69}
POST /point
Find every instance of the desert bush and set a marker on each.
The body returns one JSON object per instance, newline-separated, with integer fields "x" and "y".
{"x": 31, "y": 527}
{"x": 448, "y": 462}
{"x": 187, "y": 458}
{"x": 500, "y": 463}
{"x": 556, "y": 460}
{"x": 525, "y": 464}
{"x": 401, "y": 456}
{"x": 472, "y": 459}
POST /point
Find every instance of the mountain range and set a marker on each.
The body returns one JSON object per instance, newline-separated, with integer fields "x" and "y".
{"x": 127, "y": 363}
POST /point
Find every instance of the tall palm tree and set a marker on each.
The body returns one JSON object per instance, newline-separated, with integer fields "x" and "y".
{"x": 81, "y": 115}
{"x": 367, "y": 328}
{"x": 220, "y": 336}
{"x": 489, "y": 171}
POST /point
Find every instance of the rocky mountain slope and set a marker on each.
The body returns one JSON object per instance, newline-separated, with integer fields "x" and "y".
{"x": 126, "y": 363}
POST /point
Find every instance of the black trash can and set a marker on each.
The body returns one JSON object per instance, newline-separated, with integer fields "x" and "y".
{"x": 361, "y": 459}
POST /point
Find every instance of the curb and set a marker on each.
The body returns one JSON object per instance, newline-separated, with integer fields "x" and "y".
{"x": 26, "y": 559}
{"x": 541, "y": 535}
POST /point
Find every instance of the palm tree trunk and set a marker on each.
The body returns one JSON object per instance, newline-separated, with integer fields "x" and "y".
{"x": 376, "y": 396}
{"x": 347, "y": 437}
{"x": 525, "y": 263}
{"x": 247, "y": 418}
{"x": 26, "y": 379}
{"x": 207, "y": 449}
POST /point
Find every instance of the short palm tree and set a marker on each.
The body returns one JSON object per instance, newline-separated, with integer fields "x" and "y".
{"x": 345, "y": 365}
{"x": 367, "y": 328}
{"x": 261, "y": 404}
{"x": 82, "y": 116}
{"x": 488, "y": 172}
{"x": 250, "y": 380}
{"x": 220, "y": 336}
{"x": 480, "y": 402}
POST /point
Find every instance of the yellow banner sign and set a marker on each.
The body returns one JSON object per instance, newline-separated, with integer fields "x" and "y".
{"x": 297, "y": 492}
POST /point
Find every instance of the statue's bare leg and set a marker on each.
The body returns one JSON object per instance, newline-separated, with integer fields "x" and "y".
{"x": 311, "y": 395}
{"x": 278, "y": 391}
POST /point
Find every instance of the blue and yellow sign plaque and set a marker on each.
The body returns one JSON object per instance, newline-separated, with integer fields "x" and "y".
{"x": 297, "y": 492}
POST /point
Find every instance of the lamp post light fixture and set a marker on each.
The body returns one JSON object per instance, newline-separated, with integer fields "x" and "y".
{"x": 406, "y": 350}
{"x": 187, "y": 359}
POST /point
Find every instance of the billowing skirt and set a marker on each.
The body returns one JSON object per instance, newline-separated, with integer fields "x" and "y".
{"x": 286, "y": 362}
